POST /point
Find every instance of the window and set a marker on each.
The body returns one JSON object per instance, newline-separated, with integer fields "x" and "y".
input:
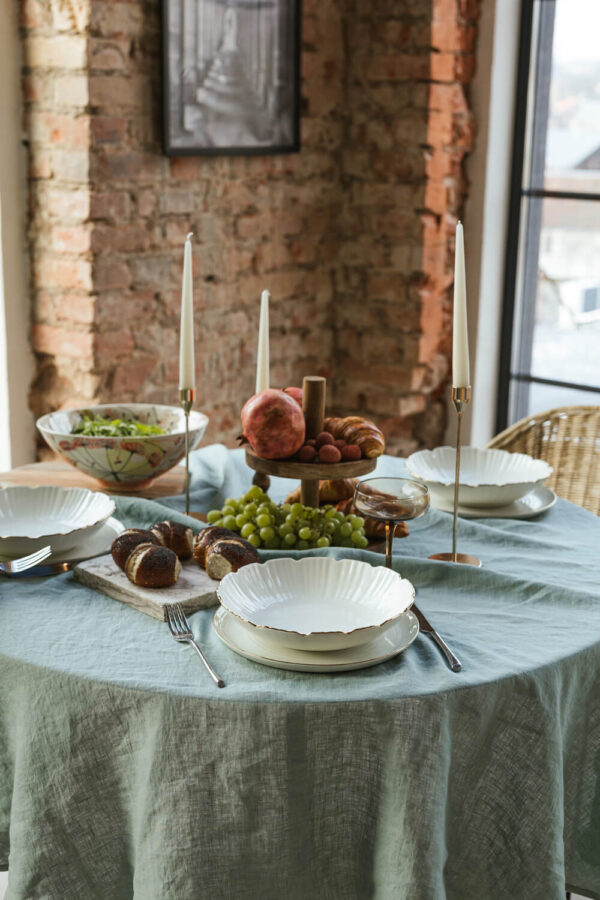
{"x": 550, "y": 353}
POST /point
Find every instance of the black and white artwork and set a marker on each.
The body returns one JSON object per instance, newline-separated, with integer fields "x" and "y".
{"x": 231, "y": 76}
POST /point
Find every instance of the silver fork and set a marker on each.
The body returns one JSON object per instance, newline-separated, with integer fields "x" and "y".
{"x": 181, "y": 631}
{"x": 16, "y": 566}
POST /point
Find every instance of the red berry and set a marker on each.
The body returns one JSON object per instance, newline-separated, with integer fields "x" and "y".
{"x": 311, "y": 443}
{"x": 351, "y": 452}
{"x": 339, "y": 443}
{"x": 306, "y": 453}
{"x": 329, "y": 454}
{"x": 324, "y": 438}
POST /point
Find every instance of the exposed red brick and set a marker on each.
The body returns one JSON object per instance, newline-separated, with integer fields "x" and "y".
{"x": 70, "y": 239}
{"x": 109, "y": 345}
{"x": 110, "y": 273}
{"x": 63, "y": 129}
{"x": 353, "y": 236}
{"x": 61, "y": 341}
{"x": 108, "y": 129}
{"x": 113, "y": 205}
{"x": 119, "y": 238}
{"x": 56, "y": 51}
{"x": 60, "y": 272}
{"x": 128, "y": 378}
{"x": 70, "y": 90}
{"x": 67, "y": 204}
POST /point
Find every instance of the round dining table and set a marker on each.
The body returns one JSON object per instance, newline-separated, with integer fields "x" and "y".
{"x": 125, "y": 773}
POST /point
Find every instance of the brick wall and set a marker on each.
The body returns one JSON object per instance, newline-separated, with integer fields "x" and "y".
{"x": 408, "y": 128}
{"x": 352, "y": 235}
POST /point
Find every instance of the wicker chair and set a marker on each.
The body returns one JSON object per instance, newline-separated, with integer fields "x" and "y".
{"x": 569, "y": 439}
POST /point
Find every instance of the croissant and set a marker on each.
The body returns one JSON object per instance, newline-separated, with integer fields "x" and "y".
{"x": 356, "y": 430}
{"x": 329, "y": 491}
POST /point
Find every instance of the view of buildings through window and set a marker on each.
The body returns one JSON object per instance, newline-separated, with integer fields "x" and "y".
{"x": 554, "y": 358}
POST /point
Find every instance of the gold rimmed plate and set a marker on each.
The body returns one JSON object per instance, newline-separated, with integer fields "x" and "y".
{"x": 532, "y": 504}
{"x": 242, "y": 639}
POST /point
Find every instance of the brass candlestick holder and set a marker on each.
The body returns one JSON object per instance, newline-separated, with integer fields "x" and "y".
{"x": 461, "y": 396}
{"x": 186, "y": 398}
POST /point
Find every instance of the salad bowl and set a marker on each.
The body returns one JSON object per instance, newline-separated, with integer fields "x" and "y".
{"x": 487, "y": 477}
{"x": 317, "y": 603}
{"x": 123, "y": 461}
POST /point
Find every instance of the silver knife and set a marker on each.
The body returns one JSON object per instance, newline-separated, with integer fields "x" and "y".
{"x": 428, "y": 629}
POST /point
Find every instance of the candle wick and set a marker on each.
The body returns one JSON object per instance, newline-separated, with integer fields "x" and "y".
{"x": 189, "y": 236}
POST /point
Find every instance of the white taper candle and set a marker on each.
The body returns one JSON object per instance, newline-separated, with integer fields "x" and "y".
{"x": 461, "y": 376}
{"x": 262, "y": 360}
{"x": 187, "y": 372}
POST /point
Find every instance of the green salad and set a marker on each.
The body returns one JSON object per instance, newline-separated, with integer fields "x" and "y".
{"x": 100, "y": 427}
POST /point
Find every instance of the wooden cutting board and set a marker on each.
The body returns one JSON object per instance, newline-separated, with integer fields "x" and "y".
{"x": 194, "y": 589}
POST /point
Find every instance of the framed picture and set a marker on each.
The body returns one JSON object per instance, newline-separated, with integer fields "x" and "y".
{"x": 231, "y": 76}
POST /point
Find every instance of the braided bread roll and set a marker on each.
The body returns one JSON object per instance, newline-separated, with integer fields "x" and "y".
{"x": 225, "y": 556}
{"x": 205, "y": 539}
{"x": 177, "y": 537}
{"x": 357, "y": 430}
{"x": 152, "y": 566}
{"x": 127, "y": 541}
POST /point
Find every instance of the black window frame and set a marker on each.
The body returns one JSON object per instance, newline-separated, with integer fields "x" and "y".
{"x": 527, "y": 54}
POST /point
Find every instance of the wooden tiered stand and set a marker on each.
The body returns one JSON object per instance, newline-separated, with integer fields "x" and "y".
{"x": 309, "y": 474}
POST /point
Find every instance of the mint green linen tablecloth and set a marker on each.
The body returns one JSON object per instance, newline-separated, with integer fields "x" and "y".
{"x": 125, "y": 773}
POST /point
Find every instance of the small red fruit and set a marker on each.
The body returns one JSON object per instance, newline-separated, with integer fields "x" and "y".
{"x": 306, "y": 453}
{"x": 340, "y": 443}
{"x": 351, "y": 452}
{"x": 324, "y": 438}
{"x": 295, "y": 393}
{"x": 311, "y": 442}
{"x": 329, "y": 454}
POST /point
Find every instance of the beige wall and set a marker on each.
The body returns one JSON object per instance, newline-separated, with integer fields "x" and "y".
{"x": 16, "y": 362}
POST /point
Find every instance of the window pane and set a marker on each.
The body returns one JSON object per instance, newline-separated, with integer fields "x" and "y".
{"x": 540, "y": 397}
{"x": 566, "y": 327}
{"x": 556, "y": 331}
{"x": 573, "y": 139}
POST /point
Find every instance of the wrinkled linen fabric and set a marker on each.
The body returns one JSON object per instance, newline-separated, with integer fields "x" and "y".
{"x": 124, "y": 773}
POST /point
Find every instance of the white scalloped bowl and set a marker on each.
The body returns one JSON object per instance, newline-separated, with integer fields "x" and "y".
{"x": 318, "y": 603}
{"x": 487, "y": 477}
{"x": 32, "y": 517}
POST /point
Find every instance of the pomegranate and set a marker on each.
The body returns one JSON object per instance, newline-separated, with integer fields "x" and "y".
{"x": 296, "y": 393}
{"x": 273, "y": 424}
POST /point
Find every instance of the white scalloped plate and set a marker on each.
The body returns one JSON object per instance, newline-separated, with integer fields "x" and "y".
{"x": 31, "y": 517}
{"x": 487, "y": 477}
{"x": 246, "y": 642}
{"x": 532, "y": 504}
{"x": 317, "y": 603}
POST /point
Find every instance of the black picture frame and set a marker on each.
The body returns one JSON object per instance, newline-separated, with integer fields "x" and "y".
{"x": 231, "y": 77}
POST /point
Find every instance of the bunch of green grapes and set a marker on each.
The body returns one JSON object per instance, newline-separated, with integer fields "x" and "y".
{"x": 290, "y": 526}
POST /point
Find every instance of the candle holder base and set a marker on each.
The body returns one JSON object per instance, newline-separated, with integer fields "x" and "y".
{"x": 464, "y": 558}
{"x": 461, "y": 397}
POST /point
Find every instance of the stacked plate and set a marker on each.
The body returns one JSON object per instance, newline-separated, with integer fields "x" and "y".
{"x": 493, "y": 483}
{"x": 75, "y": 522}
{"x": 316, "y": 614}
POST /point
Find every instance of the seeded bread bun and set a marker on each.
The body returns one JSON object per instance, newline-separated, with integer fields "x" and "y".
{"x": 127, "y": 541}
{"x": 208, "y": 536}
{"x": 225, "y": 556}
{"x": 152, "y": 566}
{"x": 178, "y": 538}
